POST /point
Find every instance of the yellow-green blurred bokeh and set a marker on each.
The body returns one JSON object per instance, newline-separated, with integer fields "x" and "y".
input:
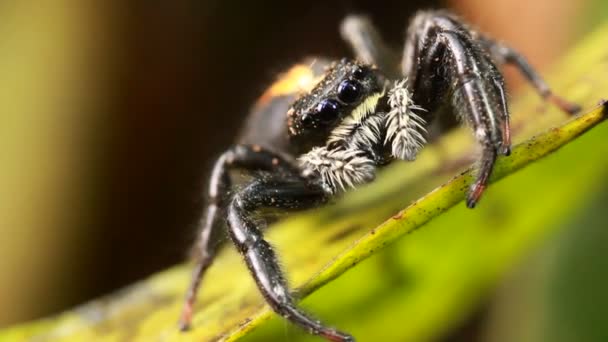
{"x": 54, "y": 69}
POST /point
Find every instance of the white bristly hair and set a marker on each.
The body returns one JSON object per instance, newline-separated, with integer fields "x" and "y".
{"x": 338, "y": 169}
{"x": 404, "y": 128}
{"x": 351, "y": 122}
{"x": 369, "y": 132}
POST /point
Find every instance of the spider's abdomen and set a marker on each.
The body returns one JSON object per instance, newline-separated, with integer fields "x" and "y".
{"x": 266, "y": 124}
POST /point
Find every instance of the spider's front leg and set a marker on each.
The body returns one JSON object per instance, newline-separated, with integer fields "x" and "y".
{"x": 286, "y": 193}
{"x": 448, "y": 69}
{"x": 250, "y": 158}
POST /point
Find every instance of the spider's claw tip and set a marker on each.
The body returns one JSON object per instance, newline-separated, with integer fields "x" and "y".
{"x": 506, "y": 150}
{"x": 475, "y": 194}
{"x": 565, "y": 105}
{"x": 184, "y": 323}
{"x": 183, "y": 326}
{"x": 573, "y": 109}
{"x": 337, "y": 336}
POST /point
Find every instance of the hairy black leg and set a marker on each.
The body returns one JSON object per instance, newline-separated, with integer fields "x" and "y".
{"x": 447, "y": 68}
{"x": 505, "y": 54}
{"x": 367, "y": 44}
{"x": 240, "y": 156}
{"x": 261, "y": 260}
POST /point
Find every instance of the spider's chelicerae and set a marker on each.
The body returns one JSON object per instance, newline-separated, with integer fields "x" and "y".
{"x": 356, "y": 115}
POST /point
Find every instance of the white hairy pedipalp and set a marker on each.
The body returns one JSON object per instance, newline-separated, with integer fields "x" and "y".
{"x": 338, "y": 169}
{"x": 404, "y": 128}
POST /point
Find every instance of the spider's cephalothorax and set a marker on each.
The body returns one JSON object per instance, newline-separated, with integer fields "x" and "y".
{"x": 354, "y": 116}
{"x": 344, "y": 125}
{"x": 348, "y": 92}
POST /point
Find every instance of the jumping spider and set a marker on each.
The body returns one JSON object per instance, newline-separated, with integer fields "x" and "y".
{"x": 356, "y": 116}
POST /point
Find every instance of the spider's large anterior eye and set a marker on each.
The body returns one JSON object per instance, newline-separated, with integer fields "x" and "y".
{"x": 349, "y": 91}
{"x": 328, "y": 110}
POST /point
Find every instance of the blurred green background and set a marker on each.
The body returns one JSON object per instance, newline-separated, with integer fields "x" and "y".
{"x": 113, "y": 110}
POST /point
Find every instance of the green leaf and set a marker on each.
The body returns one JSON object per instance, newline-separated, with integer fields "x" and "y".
{"x": 424, "y": 284}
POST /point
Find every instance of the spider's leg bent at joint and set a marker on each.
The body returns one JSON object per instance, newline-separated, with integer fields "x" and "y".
{"x": 246, "y": 157}
{"x": 275, "y": 192}
{"x": 445, "y": 65}
{"x": 285, "y": 189}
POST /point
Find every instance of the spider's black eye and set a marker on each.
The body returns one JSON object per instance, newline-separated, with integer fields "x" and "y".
{"x": 359, "y": 73}
{"x": 328, "y": 110}
{"x": 349, "y": 91}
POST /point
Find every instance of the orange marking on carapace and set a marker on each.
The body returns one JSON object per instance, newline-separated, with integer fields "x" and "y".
{"x": 300, "y": 78}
